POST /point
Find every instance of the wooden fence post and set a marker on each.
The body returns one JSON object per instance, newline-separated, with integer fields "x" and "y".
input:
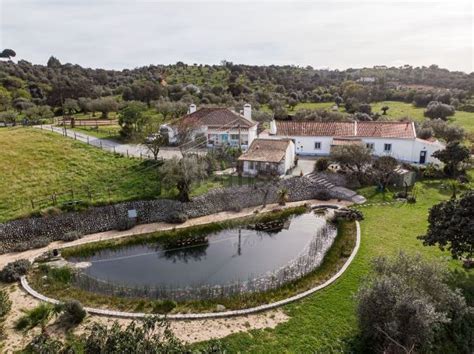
{"x": 32, "y": 204}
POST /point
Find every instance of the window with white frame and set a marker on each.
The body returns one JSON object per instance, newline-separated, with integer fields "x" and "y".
{"x": 387, "y": 147}
{"x": 251, "y": 165}
{"x": 370, "y": 146}
{"x": 317, "y": 145}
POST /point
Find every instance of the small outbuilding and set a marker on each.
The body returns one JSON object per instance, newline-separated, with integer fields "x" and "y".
{"x": 266, "y": 157}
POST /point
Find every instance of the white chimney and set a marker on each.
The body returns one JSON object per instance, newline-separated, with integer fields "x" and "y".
{"x": 248, "y": 111}
{"x": 273, "y": 127}
{"x": 192, "y": 108}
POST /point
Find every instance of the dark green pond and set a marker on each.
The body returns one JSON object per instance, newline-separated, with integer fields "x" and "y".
{"x": 217, "y": 259}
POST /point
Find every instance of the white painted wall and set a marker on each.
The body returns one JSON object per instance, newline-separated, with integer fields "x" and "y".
{"x": 290, "y": 156}
{"x": 407, "y": 150}
{"x": 304, "y": 145}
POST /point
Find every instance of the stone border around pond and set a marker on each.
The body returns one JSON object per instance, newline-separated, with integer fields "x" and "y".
{"x": 210, "y": 315}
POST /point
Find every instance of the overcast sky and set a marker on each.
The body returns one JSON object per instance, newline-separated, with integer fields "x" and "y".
{"x": 334, "y": 34}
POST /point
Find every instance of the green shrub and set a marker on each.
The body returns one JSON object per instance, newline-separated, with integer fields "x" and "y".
{"x": 61, "y": 275}
{"x": 177, "y": 218}
{"x": 73, "y": 312}
{"x": 34, "y": 317}
{"x": 44, "y": 344}
{"x": 13, "y": 271}
{"x": 321, "y": 164}
{"x": 164, "y": 306}
{"x": 39, "y": 242}
{"x": 5, "y": 304}
{"x": 71, "y": 236}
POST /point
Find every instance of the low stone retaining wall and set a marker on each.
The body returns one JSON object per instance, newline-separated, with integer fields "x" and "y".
{"x": 210, "y": 315}
{"x": 22, "y": 234}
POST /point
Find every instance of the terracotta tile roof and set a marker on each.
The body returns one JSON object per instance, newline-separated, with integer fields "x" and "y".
{"x": 315, "y": 128}
{"x": 266, "y": 150}
{"x": 218, "y": 117}
{"x": 402, "y": 130}
{"x": 386, "y": 130}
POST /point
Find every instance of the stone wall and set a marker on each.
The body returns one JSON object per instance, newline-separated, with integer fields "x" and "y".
{"x": 28, "y": 233}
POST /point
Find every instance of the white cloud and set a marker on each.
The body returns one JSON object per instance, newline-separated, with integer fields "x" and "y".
{"x": 335, "y": 34}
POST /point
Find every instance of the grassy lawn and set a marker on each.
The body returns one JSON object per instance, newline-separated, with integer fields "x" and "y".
{"x": 400, "y": 109}
{"x": 37, "y": 163}
{"x": 326, "y": 321}
{"x": 103, "y": 132}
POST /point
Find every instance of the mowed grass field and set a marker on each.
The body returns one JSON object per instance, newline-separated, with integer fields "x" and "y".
{"x": 35, "y": 164}
{"x": 326, "y": 321}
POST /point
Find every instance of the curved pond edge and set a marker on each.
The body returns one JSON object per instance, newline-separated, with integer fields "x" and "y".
{"x": 209, "y": 315}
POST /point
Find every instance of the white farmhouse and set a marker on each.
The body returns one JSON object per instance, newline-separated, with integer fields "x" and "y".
{"x": 268, "y": 157}
{"x": 221, "y": 126}
{"x": 396, "y": 139}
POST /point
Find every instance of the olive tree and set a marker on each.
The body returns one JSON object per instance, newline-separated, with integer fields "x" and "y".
{"x": 440, "y": 110}
{"x": 9, "y": 117}
{"x": 352, "y": 157}
{"x": 443, "y": 130}
{"x": 38, "y": 113}
{"x": 105, "y": 105}
{"x": 182, "y": 173}
{"x": 132, "y": 119}
{"x": 406, "y": 306}
{"x": 453, "y": 156}
{"x": 383, "y": 171}
{"x": 71, "y": 106}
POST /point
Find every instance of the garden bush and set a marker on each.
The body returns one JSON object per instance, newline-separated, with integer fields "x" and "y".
{"x": 13, "y": 271}
{"x": 71, "y": 236}
{"x": 73, "y": 312}
{"x": 5, "y": 304}
{"x": 164, "y": 306}
{"x": 321, "y": 164}
{"x": 39, "y": 315}
{"x": 38, "y": 242}
{"x": 177, "y": 218}
{"x": 407, "y": 303}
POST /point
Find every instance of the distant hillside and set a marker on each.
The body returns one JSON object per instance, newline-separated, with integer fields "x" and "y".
{"x": 43, "y": 83}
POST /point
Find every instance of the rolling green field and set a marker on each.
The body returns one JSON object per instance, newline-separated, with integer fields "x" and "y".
{"x": 35, "y": 164}
{"x": 326, "y": 321}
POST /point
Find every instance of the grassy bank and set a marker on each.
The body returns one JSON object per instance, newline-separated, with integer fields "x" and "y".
{"x": 36, "y": 164}
{"x": 56, "y": 286}
{"x": 326, "y": 321}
